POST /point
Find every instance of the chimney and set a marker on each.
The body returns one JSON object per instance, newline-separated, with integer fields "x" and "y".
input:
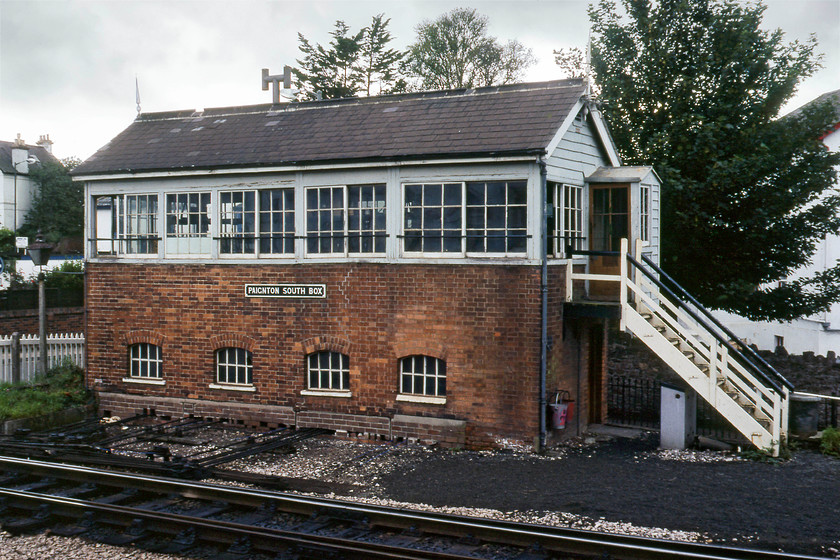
{"x": 20, "y": 153}
{"x": 45, "y": 142}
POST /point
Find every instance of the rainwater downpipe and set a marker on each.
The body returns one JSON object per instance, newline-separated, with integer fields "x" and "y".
{"x": 543, "y": 302}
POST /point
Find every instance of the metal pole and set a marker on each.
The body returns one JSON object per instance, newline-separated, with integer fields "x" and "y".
{"x": 42, "y": 322}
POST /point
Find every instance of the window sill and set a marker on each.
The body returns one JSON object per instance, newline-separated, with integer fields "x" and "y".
{"x": 421, "y": 399}
{"x": 246, "y": 388}
{"x": 144, "y": 380}
{"x": 316, "y": 393}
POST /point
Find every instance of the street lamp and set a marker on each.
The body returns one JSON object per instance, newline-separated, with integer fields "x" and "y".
{"x": 31, "y": 160}
{"x": 40, "y": 252}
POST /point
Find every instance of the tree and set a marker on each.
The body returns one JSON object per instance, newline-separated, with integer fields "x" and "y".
{"x": 572, "y": 61}
{"x": 351, "y": 64}
{"x": 58, "y": 205}
{"x": 694, "y": 88}
{"x": 330, "y": 72}
{"x": 454, "y": 51}
{"x": 378, "y": 63}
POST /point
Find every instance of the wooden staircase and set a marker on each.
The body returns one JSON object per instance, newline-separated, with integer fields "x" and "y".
{"x": 733, "y": 379}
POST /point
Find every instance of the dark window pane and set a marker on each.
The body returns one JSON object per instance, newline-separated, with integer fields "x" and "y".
{"x": 475, "y": 217}
{"x": 452, "y": 194}
{"x": 517, "y": 193}
{"x": 496, "y": 193}
{"x": 475, "y": 194}
{"x": 413, "y": 195}
{"x": 431, "y": 195}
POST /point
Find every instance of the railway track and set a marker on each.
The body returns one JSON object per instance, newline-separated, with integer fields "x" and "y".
{"x": 174, "y": 515}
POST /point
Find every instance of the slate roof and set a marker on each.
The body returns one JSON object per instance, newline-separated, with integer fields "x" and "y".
{"x": 623, "y": 174}
{"x": 503, "y": 120}
{"x": 6, "y": 156}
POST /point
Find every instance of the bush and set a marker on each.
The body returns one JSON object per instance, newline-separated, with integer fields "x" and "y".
{"x": 62, "y": 387}
{"x": 830, "y": 442}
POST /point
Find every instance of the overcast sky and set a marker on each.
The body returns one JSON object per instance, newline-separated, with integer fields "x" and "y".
{"x": 68, "y": 67}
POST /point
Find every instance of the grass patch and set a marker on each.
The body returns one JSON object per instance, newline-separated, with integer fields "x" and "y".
{"x": 61, "y": 388}
{"x": 830, "y": 442}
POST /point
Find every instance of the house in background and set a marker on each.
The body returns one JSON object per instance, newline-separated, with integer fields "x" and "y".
{"x": 17, "y": 189}
{"x": 818, "y": 333}
{"x": 431, "y": 265}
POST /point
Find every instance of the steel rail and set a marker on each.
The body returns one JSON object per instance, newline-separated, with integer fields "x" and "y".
{"x": 557, "y": 539}
{"x": 226, "y": 532}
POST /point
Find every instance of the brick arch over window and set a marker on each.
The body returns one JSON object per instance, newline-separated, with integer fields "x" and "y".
{"x": 144, "y": 336}
{"x": 419, "y": 348}
{"x": 232, "y": 341}
{"x": 319, "y": 343}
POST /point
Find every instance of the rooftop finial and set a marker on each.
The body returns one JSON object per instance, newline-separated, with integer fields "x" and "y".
{"x": 137, "y": 92}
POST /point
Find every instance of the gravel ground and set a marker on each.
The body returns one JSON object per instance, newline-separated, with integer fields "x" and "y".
{"x": 618, "y": 485}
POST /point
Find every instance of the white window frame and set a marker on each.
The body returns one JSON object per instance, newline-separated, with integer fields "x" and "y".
{"x": 345, "y": 232}
{"x": 284, "y": 211}
{"x": 139, "y": 359}
{"x": 485, "y": 228}
{"x": 569, "y": 219}
{"x": 231, "y": 360}
{"x": 121, "y": 221}
{"x": 203, "y": 239}
{"x": 342, "y": 368}
{"x": 427, "y": 376}
{"x": 463, "y": 252}
{"x": 227, "y": 220}
{"x": 644, "y": 212}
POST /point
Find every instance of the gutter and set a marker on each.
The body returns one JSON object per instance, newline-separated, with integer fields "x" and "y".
{"x": 543, "y": 304}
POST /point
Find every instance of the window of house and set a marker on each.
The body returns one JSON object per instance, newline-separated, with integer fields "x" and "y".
{"x": 145, "y": 361}
{"x": 328, "y": 371}
{"x": 234, "y": 366}
{"x": 237, "y": 222}
{"x": 366, "y": 218}
{"x": 188, "y": 223}
{"x": 277, "y": 221}
{"x": 126, "y": 224}
{"x": 461, "y": 218}
{"x": 496, "y": 217}
{"x": 423, "y": 376}
{"x": 644, "y": 212}
{"x": 565, "y": 223}
{"x": 345, "y": 219}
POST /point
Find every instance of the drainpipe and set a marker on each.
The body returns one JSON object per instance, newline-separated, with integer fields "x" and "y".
{"x": 543, "y": 301}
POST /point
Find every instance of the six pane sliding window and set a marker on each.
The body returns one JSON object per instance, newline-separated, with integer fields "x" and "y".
{"x": 325, "y": 220}
{"x": 366, "y": 218}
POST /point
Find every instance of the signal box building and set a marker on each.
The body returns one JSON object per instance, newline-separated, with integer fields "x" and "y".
{"x": 373, "y": 266}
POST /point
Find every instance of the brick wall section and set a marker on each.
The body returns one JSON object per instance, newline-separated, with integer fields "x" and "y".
{"x": 483, "y": 320}
{"x": 60, "y": 320}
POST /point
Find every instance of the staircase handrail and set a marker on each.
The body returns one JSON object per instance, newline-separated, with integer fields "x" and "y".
{"x": 750, "y": 353}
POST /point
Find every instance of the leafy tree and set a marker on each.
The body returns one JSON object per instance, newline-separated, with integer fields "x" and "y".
{"x": 378, "y": 63}
{"x": 455, "y": 51}
{"x": 330, "y": 72}
{"x": 694, "y": 88}
{"x": 58, "y": 205}
{"x": 351, "y": 64}
{"x": 572, "y": 62}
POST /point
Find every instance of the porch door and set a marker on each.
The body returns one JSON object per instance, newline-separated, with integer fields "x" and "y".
{"x": 609, "y": 223}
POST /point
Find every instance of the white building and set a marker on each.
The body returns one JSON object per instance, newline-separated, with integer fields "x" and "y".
{"x": 16, "y": 188}
{"x": 818, "y": 333}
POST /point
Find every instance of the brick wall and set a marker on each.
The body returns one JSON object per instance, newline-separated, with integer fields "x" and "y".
{"x": 484, "y": 321}
{"x": 60, "y": 320}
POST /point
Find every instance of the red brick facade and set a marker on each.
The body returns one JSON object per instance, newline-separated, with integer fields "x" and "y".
{"x": 60, "y": 320}
{"x": 484, "y": 321}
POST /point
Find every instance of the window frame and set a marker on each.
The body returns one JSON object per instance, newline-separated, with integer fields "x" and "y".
{"x": 569, "y": 219}
{"x": 345, "y": 233}
{"x": 148, "y": 360}
{"x": 119, "y": 223}
{"x": 644, "y": 212}
{"x": 342, "y": 369}
{"x": 175, "y": 239}
{"x": 232, "y": 355}
{"x": 439, "y": 364}
{"x": 227, "y": 218}
{"x": 464, "y": 226}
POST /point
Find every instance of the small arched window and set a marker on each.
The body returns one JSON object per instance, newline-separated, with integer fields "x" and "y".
{"x": 423, "y": 376}
{"x": 234, "y": 366}
{"x": 328, "y": 371}
{"x": 145, "y": 361}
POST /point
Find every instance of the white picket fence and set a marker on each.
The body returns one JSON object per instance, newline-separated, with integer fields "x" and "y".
{"x": 59, "y": 347}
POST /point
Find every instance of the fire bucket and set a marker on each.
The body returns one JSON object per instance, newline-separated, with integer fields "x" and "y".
{"x": 560, "y": 411}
